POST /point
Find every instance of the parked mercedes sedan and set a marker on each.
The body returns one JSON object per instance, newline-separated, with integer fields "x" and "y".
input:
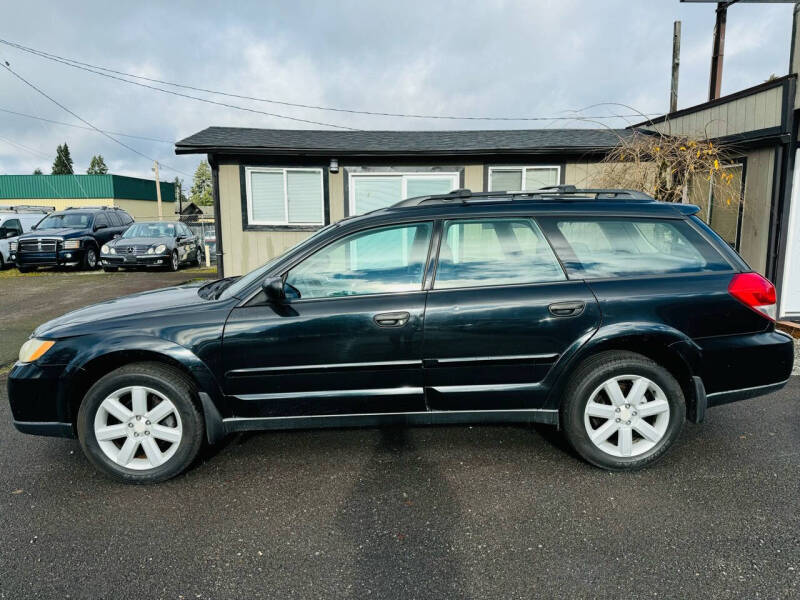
{"x": 602, "y": 312}
{"x": 164, "y": 244}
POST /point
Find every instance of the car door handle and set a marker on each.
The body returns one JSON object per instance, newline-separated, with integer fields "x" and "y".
{"x": 391, "y": 319}
{"x": 566, "y": 309}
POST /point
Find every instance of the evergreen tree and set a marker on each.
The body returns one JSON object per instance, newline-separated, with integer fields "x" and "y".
{"x": 201, "y": 188}
{"x": 62, "y": 165}
{"x": 37, "y": 171}
{"x": 179, "y": 195}
{"x": 97, "y": 166}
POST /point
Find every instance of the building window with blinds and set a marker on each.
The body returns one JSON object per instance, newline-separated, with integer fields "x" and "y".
{"x": 523, "y": 179}
{"x": 289, "y": 197}
{"x": 370, "y": 191}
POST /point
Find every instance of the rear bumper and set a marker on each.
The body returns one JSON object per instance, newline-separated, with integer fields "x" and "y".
{"x": 743, "y": 366}
{"x": 718, "y": 398}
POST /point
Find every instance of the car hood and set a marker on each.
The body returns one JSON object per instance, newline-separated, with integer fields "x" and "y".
{"x": 64, "y": 232}
{"x": 128, "y": 306}
{"x": 141, "y": 241}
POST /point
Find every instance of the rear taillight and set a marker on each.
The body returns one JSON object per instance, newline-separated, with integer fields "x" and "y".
{"x": 756, "y": 292}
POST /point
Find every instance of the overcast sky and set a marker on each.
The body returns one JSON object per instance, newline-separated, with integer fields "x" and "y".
{"x": 488, "y": 58}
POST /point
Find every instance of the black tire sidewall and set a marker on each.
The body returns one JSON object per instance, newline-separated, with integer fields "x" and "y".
{"x": 86, "y": 264}
{"x": 174, "y": 389}
{"x": 174, "y": 261}
{"x": 580, "y": 391}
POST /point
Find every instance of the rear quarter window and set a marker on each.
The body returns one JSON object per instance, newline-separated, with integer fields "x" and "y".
{"x": 593, "y": 248}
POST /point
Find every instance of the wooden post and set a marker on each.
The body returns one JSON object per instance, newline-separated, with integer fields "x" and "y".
{"x": 158, "y": 190}
{"x": 676, "y": 63}
{"x": 718, "y": 51}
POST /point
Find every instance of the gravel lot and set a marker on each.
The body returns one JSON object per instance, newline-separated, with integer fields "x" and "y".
{"x": 446, "y": 512}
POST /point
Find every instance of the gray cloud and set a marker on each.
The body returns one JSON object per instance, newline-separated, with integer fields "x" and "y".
{"x": 496, "y": 58}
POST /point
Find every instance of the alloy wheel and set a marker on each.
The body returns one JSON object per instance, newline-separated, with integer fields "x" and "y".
{"x": 627, "y": 415}
{"x": 91, "y": 258}
{"x": 138, "y": 428}
{"x": 175, "y": 263}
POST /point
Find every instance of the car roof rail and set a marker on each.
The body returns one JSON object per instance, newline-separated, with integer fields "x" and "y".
{"x": 27, "y": 208}
{"x": 553, "y": 192}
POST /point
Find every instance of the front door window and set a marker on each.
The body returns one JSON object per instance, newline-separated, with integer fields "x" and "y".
{"x": 387, "y": 259}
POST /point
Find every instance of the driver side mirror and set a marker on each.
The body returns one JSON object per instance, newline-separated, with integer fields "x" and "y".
{"x": 117, "y": 235}
{"x": 273, "y": 289}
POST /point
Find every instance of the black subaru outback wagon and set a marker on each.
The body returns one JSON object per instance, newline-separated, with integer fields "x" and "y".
{"x": 602, "y": 312}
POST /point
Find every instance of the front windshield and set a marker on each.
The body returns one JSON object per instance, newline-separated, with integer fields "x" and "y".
{"x": 150, "y": 230}
{"x": 246, "y": 281}
{"x": 66, "y": 220}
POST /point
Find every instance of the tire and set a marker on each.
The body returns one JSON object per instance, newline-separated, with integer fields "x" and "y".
{"x": 174, "y": 262}
{"x": 196, "y": 261}
{"x": 3, "y": 264}
{"x": 110, "y": 269}
{"x": 629, "y": 443}
{"x": 89, "y": 261}
{"x": 126, "y": 454}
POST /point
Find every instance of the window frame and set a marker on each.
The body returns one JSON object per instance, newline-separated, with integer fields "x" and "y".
{"x": 441, "y": 234}
{"x": 523, "y": 168}
{"x": 455, "y": 176}
{"x": 249, "y": 170}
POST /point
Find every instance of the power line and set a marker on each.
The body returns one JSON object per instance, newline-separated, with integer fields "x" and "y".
{"x": 96, "y": 70}
{"x": 158, "y": 89}
{"x": 112, "y": 138}
{"x": 130, "y": 135}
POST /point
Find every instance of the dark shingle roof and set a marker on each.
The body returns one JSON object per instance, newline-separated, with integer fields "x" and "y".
{"x": 398, "y": 143}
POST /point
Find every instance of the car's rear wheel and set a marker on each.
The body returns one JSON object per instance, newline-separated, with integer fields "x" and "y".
{"x": 622, "y": 411}
{"x": 140, "y": 424}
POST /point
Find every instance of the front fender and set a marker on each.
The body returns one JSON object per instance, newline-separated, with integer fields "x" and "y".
{"x": 633, "y": 336}
{"x": 143, "y": 345}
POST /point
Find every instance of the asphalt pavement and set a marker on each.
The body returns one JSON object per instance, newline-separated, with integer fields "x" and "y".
{"x": 429, "y": 512}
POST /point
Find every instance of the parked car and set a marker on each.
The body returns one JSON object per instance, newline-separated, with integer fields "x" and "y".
{"x": 605, "y": 313}
{"x": 70, "y": 237}
{"x": 167, "y": 244}
{"x": 14, "y": 221}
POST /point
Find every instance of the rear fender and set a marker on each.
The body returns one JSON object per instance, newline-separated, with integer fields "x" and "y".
{"x": 669, "y": 347}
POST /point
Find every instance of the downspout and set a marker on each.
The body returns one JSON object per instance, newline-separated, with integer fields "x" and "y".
{"x": 217, "y": 213}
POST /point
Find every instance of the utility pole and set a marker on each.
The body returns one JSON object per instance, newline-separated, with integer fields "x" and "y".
{"x": 158, "y": 189}
{"x": 718, "y": 51}
{"x": 676, "y": 64}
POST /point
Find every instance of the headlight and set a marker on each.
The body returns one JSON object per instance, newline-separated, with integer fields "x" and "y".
{"x": 13, "y": 246}
{"x": 72, "y": 244}
{"x": 33, "y": 349}
{"x": 113, "y": 250}
{"x": 160, "y": 249}
{"x": 104, "y": 249}
{"x": 150, "y": 250}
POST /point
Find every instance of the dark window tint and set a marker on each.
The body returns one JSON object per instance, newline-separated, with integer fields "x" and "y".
{"x": 114, "y": 219}
{"x": 494, "y": 252}
{"x": 13, "y": 225}
{"x": 389, "y": 259}
{"x": 100, "y": 219}
{"x": 126, "y": 219}
{"x": 599, "y": 247}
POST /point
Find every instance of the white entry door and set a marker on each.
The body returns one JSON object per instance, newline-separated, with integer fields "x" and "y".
{"x": 790, "y": 288}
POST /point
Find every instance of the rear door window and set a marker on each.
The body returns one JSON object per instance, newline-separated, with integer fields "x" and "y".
{"x": 492, "y": 252}
{"x": 613, "y": 247}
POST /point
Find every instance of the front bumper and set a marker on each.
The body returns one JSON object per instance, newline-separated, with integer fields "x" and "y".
{"x": 60, "y": 258}
{"x": 36, "y": 394}
{"x": 131, "y": 260}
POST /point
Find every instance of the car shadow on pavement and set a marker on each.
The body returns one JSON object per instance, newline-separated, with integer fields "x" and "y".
{"x": 400, "y": 522}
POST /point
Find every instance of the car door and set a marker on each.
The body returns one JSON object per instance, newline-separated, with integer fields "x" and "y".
{"x": 102, "y": 229}
{"x": 499, "y": 316}
{"x": 348, "y": 338}
{"x": 187, "y": 242}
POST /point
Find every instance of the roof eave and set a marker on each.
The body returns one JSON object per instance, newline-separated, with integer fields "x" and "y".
{"x": 229, "y": 150}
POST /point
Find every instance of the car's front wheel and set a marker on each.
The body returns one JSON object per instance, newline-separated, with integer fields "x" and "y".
{"x": 140, "y": 424}
{"x": 174, "y": 261}
{"x": 622, "y": 411}
{"x": 89, "y": 262}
